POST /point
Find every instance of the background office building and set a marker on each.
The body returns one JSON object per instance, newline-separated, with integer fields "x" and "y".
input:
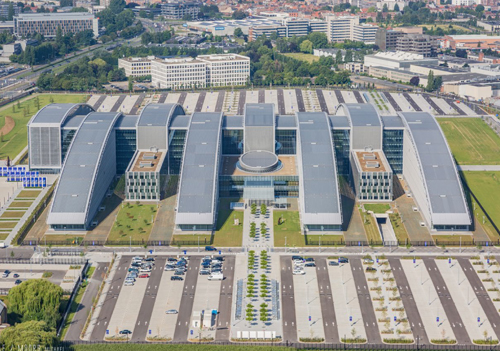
{"x": 177, "y": 10}
{"x": 47, "y": 23}
{"x": 136, "y": 66}
{"x": 340, "y": 28}
{"x": 259, "y": 156}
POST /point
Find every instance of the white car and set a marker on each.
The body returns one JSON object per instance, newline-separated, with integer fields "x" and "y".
{"x": 171, "y": 312}
{"x": 129, "y": 283}
{"x": 298, "y": 272}
{"x": 145, "y": 269}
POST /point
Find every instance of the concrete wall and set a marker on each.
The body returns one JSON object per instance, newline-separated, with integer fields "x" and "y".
{"x": 259, "y": 138}
{"x": 366, "y": 136}
{"x": 152, "y": 136}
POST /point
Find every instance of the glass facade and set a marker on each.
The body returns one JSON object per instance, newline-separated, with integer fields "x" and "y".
{"x": 195, "y": 227}
{"x": 142, "y": 185}
{"x": 322, "y": 228}
{"x": 66, "y": 139}
{"x": 231, "y": 140}
{"x": 284, "y": 186}
{"x": 286, "y": 142}
{"x": 68, "y": 226}
{"x": 176, "y": 150}
{"x": 374, "y": 186}
{"x": 342, "y": 141}
{"x": 125, "y": 148}
{"x": 452, "y": 227}
{"x": 393, "y": 148}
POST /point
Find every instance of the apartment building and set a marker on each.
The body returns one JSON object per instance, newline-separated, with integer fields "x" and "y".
{"x": 420, "y": 44}
{"x": 386, "y": 39}
{"x": 136, "y": 66}
{"x": 177, "y": 10}
{"x": 4, "y": 9}
{"x": 47, "y": 23}
{"x": 340, "y": 28}
{"x": 203, "y": 71}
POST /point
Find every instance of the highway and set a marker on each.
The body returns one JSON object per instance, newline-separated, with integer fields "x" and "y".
{"x": 450, "y": 309}
{"x": 148, "y": 301}
{"x": 223, "y": 332}
{"x": 326, "y": 301}
{"x": 187, "y": 300}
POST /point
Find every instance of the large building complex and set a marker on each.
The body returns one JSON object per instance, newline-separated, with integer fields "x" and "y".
{"x": 340, "y": 28}
{"x": 421, "y": 44}
{"x": 47, "y": 24}
{"x": 259, "y": 156}
{"x": 186, "y": 72}
{"x": 180, "y": 10}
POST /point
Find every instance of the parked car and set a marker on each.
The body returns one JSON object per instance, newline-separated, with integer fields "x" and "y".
{"x": 136, "y": 264}
{"x": 298, "y": 272}
{"x": 204, "y": 272}
{"x": 129, "y": 283}
{"x": 309, "y": 259}
{"x": 150, "y": 259}
{"x": 145, "y": 269}
{"x": 144, "y": 275}
{"x": 333, "y": 263}
{"x": 368, "y": 260}
{"x": 170, "y": 268}
{"x": 310, "y": 264}
{"x": 18, "y": 281}
{"x": 171, "y": 312}
{"x": 297, "y": 258}
{"x": 210, "y": 248}
{"x": 133, "y": 269}
{"x": 5, "y": 273}
{"x": 15, "y": 275}
{"x": 176, "y": 277}
{"x": 177, "y": 272}
{"x": 125, "y": 332}
{"x": 371, "y": 269}
{"x": 343, "y": 260}
{"x": 220, "y": 258}
{"x": 172, "y": 259}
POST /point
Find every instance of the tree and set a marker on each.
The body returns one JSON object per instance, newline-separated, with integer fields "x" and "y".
{"x": 187, "y": 17}
{"x": 396, "y": 8}
{"x": 414, "y": 81}
{"x": 380, "y": 17}
{"x": 430, "y": 81}
{"x": 306, "y": 46}
{"x": 117, "y": 6}
{"x": 348, "y": 56}
{"x": 461, "y": 53}
{"x": 319, "y": 40}
{"x": 238, "y": 32}
{"x": 11, "y": 11}
{"x": 130, "y": 83}
{"x": 35, "y": 299}
{"x": 338, "y": 57}
{"x": 385, "y": 8}
{"x": 438, "y": 81}
{"x": 239, "y": 15}
{"x": 29, "y": 333}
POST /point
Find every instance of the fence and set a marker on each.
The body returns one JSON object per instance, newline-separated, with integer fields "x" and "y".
{"x": 67, "y": 345}
{"x": 90, "y": 243}
{"x": 45, "y": 260}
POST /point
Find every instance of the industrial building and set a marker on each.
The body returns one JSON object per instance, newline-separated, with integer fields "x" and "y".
{"x": 259, "y": 156}
{"x": 46, "y": 24}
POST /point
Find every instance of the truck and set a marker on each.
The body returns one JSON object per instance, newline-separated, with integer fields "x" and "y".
{"x": 216, "y": 276}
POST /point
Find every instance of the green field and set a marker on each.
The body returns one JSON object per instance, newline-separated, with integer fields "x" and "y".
{"x": 12, "y": 214}
{"x": 227, "y": 234}
{"x": 371, "y": 228}
{"x": 377, "y": 208}
{"x": 471, "y": 140}
{"x": 16, "y": 140}
{"x": 303, "y": 57}
{"x": 28, "y": 194}
{"x": 290, "y": 229}
{"x": 133, "y": 221}
{"x": 20, "y": 204}
{"x": 173, "y": 347}
{"x": 486, "y": 187}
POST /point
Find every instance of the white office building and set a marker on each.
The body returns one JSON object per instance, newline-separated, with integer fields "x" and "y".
{"x": 340, "y": 28}
{"x": 136, "y": 66}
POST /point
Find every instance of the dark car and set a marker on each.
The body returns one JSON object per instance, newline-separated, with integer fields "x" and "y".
{"x": 176, "y": 277}
{"x": 333, "y": 263}
{"x": 309, "y": 259}
{"x": 297, "y": 258}
{"x": 204, "y": 272}
{"x": 16, "y": 275}
{"x": 310, "y": 264}
{"x": 172, "y": 259}
{"x": 17, "y": 282}
{"x": 343, "y": 260}
{"x": 177, "y": 272}
{"x": 125, "y": 332}
{"x": 150, "y": 259}
{"x": 210, "y": 248}
{"x": 371, "y": 269}
{"x": 135, "y": 264}
{"x": 220, "y": 258}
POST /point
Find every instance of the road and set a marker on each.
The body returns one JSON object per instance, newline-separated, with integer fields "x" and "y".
{"x": 281, "y": 102}
{"x": 262, "y": 96}
{"x": 412, "y": 102}
{"x": 288, "y": 301}
{"x": 200, "y": 102}
{"x": 380, "y": 82}
{"x": 417, "y": 326}
{"x": 162, "y": 98}
{"x": 148, "y": 301}
{"x": 83, "y": 310}
{"x": 339, "y": 96}
{"x": 326, "y": 301}
{"x": 187, "y": 300}
{"x": 241, "y": 102}
{"x": 300, "y": 100}
{"x": 223, "y": 332}
{"x": 365, "y": 302}
{"x": 481, "y": 294}
{"x": 358, "y": 97}
{"x": 118, "y": 103}
{"x": 455, "y": 106}
{"x": 109, "y": 303}
{"x": 99, "y": 102}
{"x": 220, "y": 101}
{"x": 433, "y": 104}
{"x": 182, "y": 98}
{"x": 447, "y": 302}
{"x": 322, "y": 102}
{"x": 393, "y": 102}
{"x": 137, "y": 104}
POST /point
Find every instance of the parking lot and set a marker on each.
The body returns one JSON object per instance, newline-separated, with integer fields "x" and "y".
{"x": 333, "y": 299}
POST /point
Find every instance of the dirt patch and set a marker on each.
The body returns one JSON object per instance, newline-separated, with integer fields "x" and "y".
{"x": 8, "y": 126}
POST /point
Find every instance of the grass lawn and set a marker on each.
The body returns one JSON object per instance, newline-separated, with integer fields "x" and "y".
{"x": 227, "y": 234}
{"x": 371, "y": 229}
{"x": 74, "y": 306}
{"x": 204, "y": 239}
{"x": 486, "y": 187}
{"x": 174, "y": 347}
{"x": 326, "y": 240}
{"x": 290, "y": 229}
{"x": 377, "y": 208}
{"x": 3, "y": 236}
{"x": 471, "y": 140}
{"x": 303, "y": 57}
{"x": 31, "y": 194}
{"x": 7, "y": 225}
{"x": 15, "y": 141}
{"x": 445, "y": 239}
{"x": 12, "y": 214}
{"x": 399, "y": 228}
{"x": 133, "y": 220}
{"x": 70, "y": 239}
{"x": 20, "y": 204}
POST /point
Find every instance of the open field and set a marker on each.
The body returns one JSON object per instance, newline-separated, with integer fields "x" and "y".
{"x": 20, "y": 204}
{"x": 377, "y": 208}
{"x": 471, "y": 141}
{"x": 167, "y": 347}
{"x": 204, "y": 239}
{"x": 21, "y": 112}
{"x": 399, "y": 228}
{"x": 227, "y": 234}
{"x": 289, "y": 229}
{"x": 371, "y": 229}
{"x": 133, "y": 220}
{"x": 486, "y": 187}
{"x": 302, "y": 57}
{"x": 28, "y": 194}
{"x": 70, "y": 239}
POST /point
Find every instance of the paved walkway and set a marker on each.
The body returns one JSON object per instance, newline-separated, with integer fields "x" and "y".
{"x": 479, "y": 168}
{"x": 105, "y": 219}
{"x": 163, "y": 227}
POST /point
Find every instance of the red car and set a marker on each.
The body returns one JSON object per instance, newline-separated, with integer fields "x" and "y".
{"x": 144, "y": 275}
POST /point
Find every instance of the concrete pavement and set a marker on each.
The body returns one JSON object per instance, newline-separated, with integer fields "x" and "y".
{"x": 326, "y": 300}
{"x": 223, "y": 332}
{"x": 288, "y": 300}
